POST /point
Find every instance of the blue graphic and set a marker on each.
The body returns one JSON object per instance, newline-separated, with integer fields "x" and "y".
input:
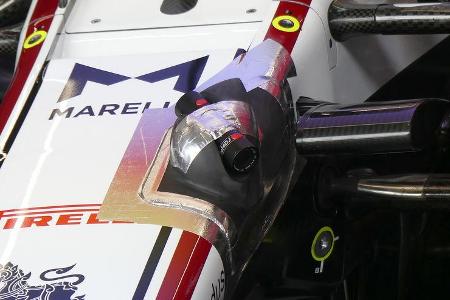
{"x": 188, "y": 73}
{"x": 81, "y": 74}
{"x": 14, "y": 284}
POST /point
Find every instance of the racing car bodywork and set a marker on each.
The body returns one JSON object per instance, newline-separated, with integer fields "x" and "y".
{"x": 113, "y": 188}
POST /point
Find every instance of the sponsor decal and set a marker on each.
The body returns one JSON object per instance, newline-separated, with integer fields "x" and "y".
{"x": 188, "y": 74}
{"x": 218, "y": 287}
{"x": 51, "y": 216}
{"x": 57, "y": 284}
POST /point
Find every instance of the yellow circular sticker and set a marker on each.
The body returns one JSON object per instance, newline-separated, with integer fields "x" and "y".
{"x": 323, "y": 244}
{"x": 286, "y": 23}
{"x": 35, "y": 39}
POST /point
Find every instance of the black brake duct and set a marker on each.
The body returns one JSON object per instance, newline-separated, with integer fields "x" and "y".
{"x": 348, "y": 19}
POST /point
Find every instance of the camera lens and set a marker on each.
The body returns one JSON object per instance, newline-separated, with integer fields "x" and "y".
{"x": 238, "y": 152}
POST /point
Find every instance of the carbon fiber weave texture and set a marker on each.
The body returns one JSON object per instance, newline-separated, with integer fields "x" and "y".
{"x": 9, "y": 39}
{"x": 13, "y": 12}
{"x": 433, "y": 18}
{"x": 346, "y": 20}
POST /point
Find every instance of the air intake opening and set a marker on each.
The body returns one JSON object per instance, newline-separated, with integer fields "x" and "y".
{"x": 175, "y": 7}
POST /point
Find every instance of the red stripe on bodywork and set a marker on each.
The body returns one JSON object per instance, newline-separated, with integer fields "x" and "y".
{"x": 41, "y": 20}
{"x": 50, "y": 207}
{"x": 50, "y": 212}
{"x": 193, "y": 270}
{"x": 185, "y": 268}
{"x": 297, "y": 10}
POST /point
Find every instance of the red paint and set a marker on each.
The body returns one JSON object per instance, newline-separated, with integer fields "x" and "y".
{"x": 236, "y": 136}
{"x": 299, "y": 11}
{"x": 93, "y": 219}
{"x": 41, "y": 20}
{"x": 52, "y": 216}
{"x": 49, "y": 207}
{"x": 39, "y": 221}
{"x": 201, "y": 102}
{"x": 70, "y": 219}
{"x": 193, "y": 270}
{"x": 185, "y": 268}
{"x": 10, "y": 224}
{"x": 48, "y": 212}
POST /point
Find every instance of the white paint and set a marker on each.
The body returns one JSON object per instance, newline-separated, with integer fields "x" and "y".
{"x": 141, "y": 14}
{"x": 209, "y": 278}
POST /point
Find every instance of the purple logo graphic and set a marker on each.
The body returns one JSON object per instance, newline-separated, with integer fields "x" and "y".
{"x": 57, "y": 286}
{"x": 188, "y": 76}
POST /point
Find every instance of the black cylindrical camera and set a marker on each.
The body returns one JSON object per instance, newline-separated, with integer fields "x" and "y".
{"x": 239, "y": 154}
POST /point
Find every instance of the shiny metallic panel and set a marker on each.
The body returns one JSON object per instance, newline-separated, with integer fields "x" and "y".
{"x": 205, "y": 125}
{"x": 430, "y": 191}
{"x": 410, "y": 186}
{"x": 378, "y": 127}
{"x": 181, "y": 211}
{"x": 437, "y": 187}
{"x": 265, "y": 66}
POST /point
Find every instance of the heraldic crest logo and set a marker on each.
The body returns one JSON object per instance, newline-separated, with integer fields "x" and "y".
{"x": 14, "y": 284}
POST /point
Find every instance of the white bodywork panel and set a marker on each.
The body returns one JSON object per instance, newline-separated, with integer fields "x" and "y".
{"x": 70, "y": 162}
{"x": 111, "y": 15}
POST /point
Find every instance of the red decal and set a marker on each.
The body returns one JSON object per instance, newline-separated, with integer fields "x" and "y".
{"x": 41, "y": 20}
{"x": 48, "y": 207}
{"x": 39, "y": 221}
{"x": 49, "y": 212}
{"x": 94, "y": 220}
{"x": 185, "y": 267}
{"x": 71, "y": 219}
{"x": 10, "y": 224}
{"x": 51, "y": 216}
{"x": 296, "y": 10}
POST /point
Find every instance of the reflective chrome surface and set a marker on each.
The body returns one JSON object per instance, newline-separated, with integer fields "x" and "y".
{"x": 408, "y": 186}
{"x": 371, "y": 127}
{"x": 205, "y": 125}
{"x": 265, "y": 66}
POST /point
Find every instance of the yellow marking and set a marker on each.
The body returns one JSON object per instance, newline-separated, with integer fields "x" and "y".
{"x": 322, "y": 230}
{"x": 35, "y": 39}
{"x": 296, "y": 23}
